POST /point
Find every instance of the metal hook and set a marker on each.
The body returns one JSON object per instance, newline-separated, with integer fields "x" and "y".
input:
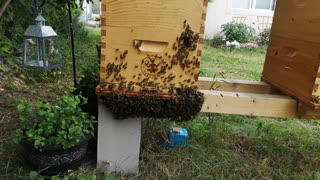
{"x": 39, "y": 5}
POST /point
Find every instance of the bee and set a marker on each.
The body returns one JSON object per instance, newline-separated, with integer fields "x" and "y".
{"x": 166, "y": 54}
{"x": 125, "y": 66}
{"x": 134, "y": 76}
{"x": 136, "y": 66}
{"x": 110, "y": 87}
{"x": 174, "y": 45}
{"x": 117, "y": 49}
{"x": 125, "y": 52}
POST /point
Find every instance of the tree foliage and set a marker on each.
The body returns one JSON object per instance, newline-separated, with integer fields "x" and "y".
{"x": 20, "y": 13}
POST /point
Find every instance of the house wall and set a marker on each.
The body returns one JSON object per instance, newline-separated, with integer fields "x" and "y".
{"x": 88, "y": 11}
{"x": 221, "y": 12}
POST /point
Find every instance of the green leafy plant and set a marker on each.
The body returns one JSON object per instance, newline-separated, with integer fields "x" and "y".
{"x": 239, "y": 32}
{"x": 89, "y": 80}
{"x": 217, "y": 40}
{"x": 264, "y": 37}
{"x": 59, "y": 123}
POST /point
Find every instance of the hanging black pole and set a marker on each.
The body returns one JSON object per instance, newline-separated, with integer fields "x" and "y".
{"x": 72, "y": 45}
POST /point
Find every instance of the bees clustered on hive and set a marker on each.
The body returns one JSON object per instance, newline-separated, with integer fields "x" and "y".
{"x": 147, "y": 98}
{"x": 183, "y": 107}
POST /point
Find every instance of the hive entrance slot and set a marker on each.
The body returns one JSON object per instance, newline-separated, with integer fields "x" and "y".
{"x": 151, "y": 46}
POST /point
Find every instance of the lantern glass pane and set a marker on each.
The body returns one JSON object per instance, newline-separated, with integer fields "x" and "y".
{"x": 32, "y": 55}
{"x": 52, "y": 53}
{"x": 42, "y": 53}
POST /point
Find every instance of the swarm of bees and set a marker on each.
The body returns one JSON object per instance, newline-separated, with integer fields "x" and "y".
{"x": 154, "y": 99}
{"x": 183, "y": 107}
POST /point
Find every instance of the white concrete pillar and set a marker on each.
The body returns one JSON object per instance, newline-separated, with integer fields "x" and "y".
{"x": 118, "y": 142}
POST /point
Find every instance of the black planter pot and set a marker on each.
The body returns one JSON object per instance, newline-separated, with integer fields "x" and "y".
{"x": 54, "y": 160}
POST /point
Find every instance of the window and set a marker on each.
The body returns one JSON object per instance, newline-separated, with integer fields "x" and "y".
{"x": 96, "y": 7}
{"x": 254, "y": 4}
{"x": 243, "y": 4}
{"x": 265, "y": 4}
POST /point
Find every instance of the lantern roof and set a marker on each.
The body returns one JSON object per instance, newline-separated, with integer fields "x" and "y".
{"x": 40, "y": 30}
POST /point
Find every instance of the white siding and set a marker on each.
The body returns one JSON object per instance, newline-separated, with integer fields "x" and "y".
{"x": 221, "y": 12}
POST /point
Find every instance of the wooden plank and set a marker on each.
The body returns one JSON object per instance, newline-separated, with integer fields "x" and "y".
{"x": 231, "y": 85}
{"x": 249, "y": 104}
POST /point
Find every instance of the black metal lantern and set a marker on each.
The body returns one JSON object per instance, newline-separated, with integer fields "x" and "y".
{"x": 41, "y": 50}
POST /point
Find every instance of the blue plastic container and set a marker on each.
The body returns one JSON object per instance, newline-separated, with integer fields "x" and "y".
{"x": 178, "y": 137}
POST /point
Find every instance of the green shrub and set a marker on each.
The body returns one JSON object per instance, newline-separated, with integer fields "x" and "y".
{"x": 264, "y": 37}
{"x": 217, "y": 40}
{"x": 239, "y": 32}
{"x": 56, "y": 123}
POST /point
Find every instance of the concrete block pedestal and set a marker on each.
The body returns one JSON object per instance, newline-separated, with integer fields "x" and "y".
{"x": 118, "y": 142}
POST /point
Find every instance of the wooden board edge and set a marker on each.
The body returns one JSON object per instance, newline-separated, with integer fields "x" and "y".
{"x": 231, "y": 85}
{"x": 249, "y": 104}
{"x": 304, "y": 100}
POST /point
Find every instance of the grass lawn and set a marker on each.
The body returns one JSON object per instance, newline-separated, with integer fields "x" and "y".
{"x": 241, "y": 64}
{"x": 221, "y": 146}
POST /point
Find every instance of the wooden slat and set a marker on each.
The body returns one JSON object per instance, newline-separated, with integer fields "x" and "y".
{"x": 231, "y": 85}
{"x": 249, "y": 104}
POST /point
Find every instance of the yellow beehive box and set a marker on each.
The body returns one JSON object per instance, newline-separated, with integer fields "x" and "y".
{"x": 150, "y": 46}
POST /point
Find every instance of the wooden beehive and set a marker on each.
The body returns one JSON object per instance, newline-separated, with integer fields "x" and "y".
{"x": 293, "y": 57}
{"x": 150, "y": 46}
